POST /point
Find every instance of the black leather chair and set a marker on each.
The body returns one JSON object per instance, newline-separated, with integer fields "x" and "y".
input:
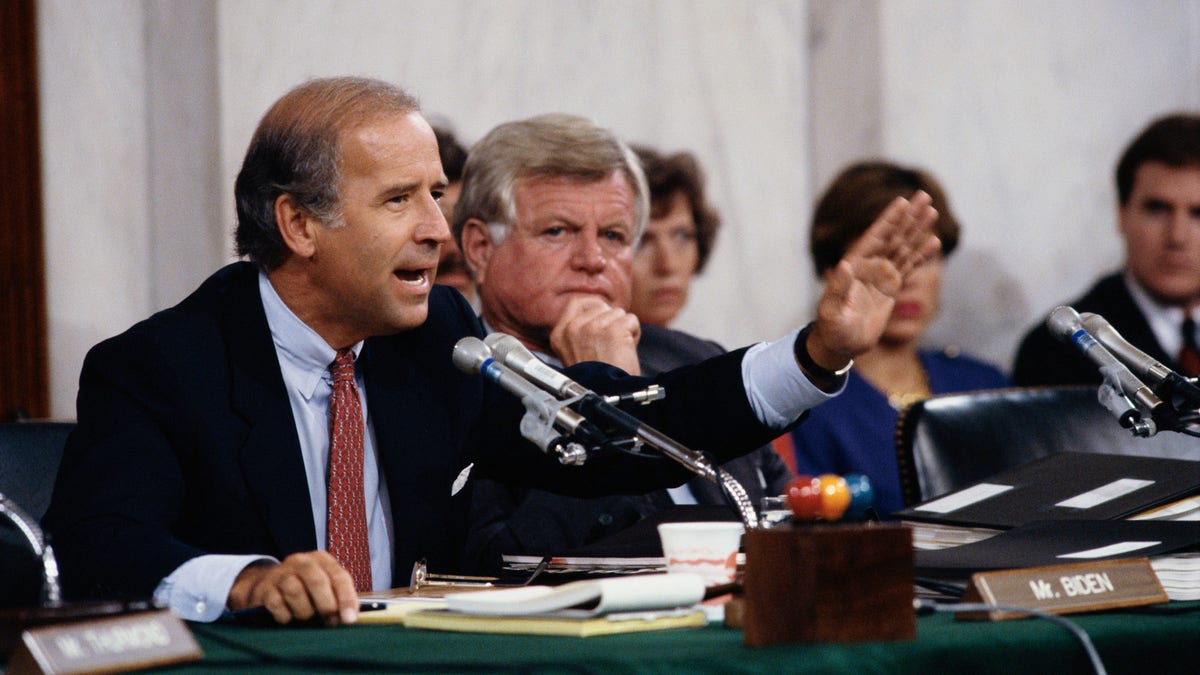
{"x": 952, "y": 441}
{"x": 30, "y": 453}
{"x": 29, "y": 456}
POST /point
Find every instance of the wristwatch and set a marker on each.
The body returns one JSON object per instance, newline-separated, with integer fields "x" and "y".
{"x": 800, "y": 349}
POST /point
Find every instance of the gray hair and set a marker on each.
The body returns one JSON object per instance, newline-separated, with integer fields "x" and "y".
{"x": 553, "y": 145}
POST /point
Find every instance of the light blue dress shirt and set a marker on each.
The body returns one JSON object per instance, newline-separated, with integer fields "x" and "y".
{"x": 198, "y": 589}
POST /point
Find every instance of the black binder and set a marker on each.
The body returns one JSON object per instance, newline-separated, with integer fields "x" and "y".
{"x": 1059, "y": 542}
{"x": 1063, "y": 486}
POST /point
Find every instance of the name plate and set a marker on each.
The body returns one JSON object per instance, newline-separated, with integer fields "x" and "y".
{"x": 109, "y": 645}
{"x": 1065, "y": 589}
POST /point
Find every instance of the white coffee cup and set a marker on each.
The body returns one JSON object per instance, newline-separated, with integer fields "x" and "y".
{"x": 709, "y": 549}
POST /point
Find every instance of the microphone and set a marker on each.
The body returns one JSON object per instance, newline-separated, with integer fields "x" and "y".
{"x": 1065, "y": 324}
{"x": 1162, "y": 379}
{"x": 509, "y": 351}
{"x": 616, "y": 422}
{"x": 514, "y": 355}
{"x": 543, "y": 411}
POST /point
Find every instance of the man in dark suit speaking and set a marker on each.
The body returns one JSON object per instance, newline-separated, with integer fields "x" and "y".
{"x": 294, "y": 432}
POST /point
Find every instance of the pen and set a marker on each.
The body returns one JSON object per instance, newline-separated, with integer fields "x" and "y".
{"x": 262, "y": 614}
{"x": 537, "y": 571}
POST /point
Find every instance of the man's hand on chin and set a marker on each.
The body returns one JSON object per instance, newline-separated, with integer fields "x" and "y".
{"x": 592, "y": 330}
{"x": 303, "y": 586}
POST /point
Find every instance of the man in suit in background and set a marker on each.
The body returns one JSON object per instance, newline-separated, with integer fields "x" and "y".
{"x": 294, "y": 432}
{"x": 1154, "y": 302}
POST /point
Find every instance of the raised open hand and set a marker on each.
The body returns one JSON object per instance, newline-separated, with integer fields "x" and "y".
{"x": 860, "y": 291}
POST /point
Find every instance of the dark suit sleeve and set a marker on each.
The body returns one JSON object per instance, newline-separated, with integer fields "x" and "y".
{"x": 118, "y": 441}
{"x": 184, "y": 445}
{"x": 705, "y": 409}
{"x": 506, "y": 519}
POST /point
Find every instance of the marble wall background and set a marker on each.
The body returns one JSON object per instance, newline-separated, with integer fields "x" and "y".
{"x": 1021, "y": 107}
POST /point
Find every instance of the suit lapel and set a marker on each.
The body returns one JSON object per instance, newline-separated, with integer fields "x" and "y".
{"x": 1129, "y": 320}
{"x": 270, "y": 457}
{"x": 422, "y": 415}
{"x": 404, "y": 416}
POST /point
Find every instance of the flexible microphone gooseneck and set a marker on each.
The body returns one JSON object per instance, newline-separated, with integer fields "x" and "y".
{"x": 51, "y": 590}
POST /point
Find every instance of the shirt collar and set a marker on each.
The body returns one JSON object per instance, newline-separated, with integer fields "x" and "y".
{"x": 1165, "y": 320}
{"x": 297, "y": 343}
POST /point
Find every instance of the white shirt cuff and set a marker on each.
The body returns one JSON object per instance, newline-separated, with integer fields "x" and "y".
{"x": 198, "y": 589}
{"x": 778, "y": 390}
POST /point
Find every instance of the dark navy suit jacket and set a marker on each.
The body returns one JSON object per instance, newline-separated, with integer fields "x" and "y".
{"x": 186, "y": 445}
{"x": 511, "y": 520}
{"x": 1043, "y": 359}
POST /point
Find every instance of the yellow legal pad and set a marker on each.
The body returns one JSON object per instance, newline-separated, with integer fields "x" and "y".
{"x": 607, "y": 624}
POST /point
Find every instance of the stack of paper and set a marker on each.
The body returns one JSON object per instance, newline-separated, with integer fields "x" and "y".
{"x": 584, "y": 565}
{"x": 1184, "y": 509}
{"x": 931, "y": 537}
{"x": 1179, "y": 575}
{"x": 580, "y": 608}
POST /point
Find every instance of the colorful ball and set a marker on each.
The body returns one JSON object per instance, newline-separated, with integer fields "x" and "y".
{"x": 804, "y": 497}
{"x": 835, "y": 496}
{"x": 862, "y": 495}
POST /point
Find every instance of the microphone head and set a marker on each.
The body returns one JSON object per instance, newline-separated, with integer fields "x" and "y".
{"x": 470, "y": 353}
{"x": 503, "y": 344}
{"x": 1094, "y": 323}
{"x": 1063, "y": 322}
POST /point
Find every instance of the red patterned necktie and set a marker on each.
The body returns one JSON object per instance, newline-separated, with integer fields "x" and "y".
{"x": 346, "y": 527}
{"x": 1189, "y": 356}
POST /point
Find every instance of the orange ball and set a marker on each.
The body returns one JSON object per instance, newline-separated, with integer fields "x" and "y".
{"x": 835, "y": 496}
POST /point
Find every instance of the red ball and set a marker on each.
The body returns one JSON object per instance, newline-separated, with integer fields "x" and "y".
{"x": 804, "y": 497}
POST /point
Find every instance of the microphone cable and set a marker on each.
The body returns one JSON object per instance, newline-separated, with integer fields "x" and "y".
{"x": 926, "y": 606}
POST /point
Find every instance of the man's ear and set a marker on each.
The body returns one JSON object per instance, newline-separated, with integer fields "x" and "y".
{"x": 477, "y": 247}
{"x": 296, "y": 226}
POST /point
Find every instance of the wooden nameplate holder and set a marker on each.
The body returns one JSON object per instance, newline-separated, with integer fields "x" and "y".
{"x": 110, "y": 644}
{"x": 827, "y": 583}
{"x": 1065, "y": 589}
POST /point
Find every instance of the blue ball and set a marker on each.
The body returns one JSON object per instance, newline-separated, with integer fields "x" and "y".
{"x": 862, "y": 496}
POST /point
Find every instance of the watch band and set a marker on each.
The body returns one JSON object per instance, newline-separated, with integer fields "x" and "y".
{"x": 800, "y": 349}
